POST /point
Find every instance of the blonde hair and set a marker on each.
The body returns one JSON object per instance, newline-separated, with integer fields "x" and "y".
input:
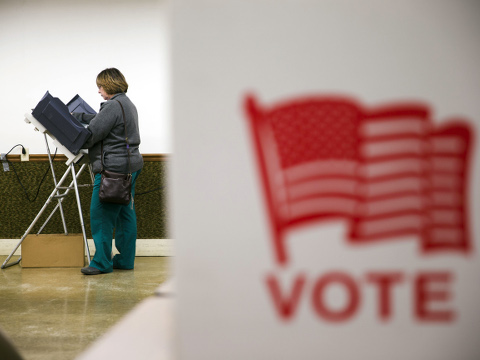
{"x": 112, "y": 81}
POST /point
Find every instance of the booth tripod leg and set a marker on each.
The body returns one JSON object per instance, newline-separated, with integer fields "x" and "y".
{"x": 79, "y": 205}
{"x": 58, "y": 206}
{"x": 73, "y": 185}
{"x": 5, "y": 263}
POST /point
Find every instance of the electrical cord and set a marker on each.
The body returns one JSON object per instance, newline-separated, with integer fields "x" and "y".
{"x": 23, "y": 150}
{"x": 18, "y": 178}
{"x": 149, "y": 191}
{"x": 45, "y": 175}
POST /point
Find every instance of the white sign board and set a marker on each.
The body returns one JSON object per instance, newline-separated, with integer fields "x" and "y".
{"x": 324, "y": 182}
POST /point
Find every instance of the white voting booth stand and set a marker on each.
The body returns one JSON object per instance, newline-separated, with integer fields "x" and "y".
{"x": 72, "y": 159}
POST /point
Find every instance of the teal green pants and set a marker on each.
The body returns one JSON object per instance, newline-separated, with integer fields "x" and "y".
{"x": 105, "y": 218}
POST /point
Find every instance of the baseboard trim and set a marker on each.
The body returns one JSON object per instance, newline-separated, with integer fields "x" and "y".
{"x": 145, "y": 247}
{"x": 63, "y": 158}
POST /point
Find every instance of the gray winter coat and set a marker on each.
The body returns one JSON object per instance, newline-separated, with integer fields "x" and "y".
{"x": 107, "y": 125}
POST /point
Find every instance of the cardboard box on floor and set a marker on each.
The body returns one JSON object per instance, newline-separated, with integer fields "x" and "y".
{"x": 53, "y": 250}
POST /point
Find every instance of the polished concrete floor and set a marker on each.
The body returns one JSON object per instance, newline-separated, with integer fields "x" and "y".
{"x": 56, "y": 313}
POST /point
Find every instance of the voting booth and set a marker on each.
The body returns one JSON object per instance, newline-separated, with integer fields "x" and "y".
{"x": 53, "y": 119}
{"x": 56, "y": 117}
{"x": 77, "y": 104}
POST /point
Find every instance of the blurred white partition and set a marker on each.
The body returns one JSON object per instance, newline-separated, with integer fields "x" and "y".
{"x": 289, "y": 242}
{"x": 146, "y": 332}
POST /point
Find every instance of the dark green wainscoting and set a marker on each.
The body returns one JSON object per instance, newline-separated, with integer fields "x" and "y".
{"x": 18, "y": 211}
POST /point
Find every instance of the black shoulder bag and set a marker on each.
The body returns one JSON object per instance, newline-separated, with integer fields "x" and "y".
{"x": 114, "y": 187}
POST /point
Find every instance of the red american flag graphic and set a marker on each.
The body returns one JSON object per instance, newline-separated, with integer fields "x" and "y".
{"x": 390, "y": 171}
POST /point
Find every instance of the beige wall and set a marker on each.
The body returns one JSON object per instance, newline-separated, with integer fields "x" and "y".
{"x": 61, "y": 46}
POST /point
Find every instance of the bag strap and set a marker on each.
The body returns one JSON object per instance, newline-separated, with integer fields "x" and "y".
{"x": 126, "y": 140}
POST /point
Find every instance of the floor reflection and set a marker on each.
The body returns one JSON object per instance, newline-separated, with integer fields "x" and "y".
{"x": 55, "y": 313}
